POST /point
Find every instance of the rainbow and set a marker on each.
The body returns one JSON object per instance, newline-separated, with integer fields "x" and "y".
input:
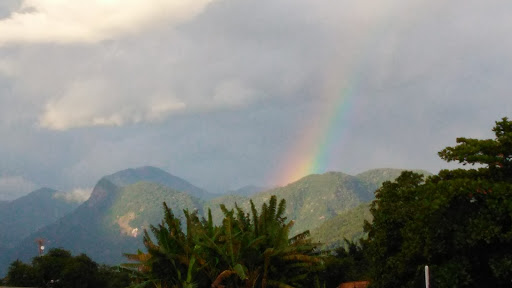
{"x": 313, "y": 153}
{"x": 318, "y": 150}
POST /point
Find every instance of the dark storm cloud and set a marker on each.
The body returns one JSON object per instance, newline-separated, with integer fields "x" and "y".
{"x": 221, "y": 97}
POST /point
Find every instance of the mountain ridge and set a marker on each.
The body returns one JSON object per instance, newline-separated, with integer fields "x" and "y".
{"x": 109, "y": 223}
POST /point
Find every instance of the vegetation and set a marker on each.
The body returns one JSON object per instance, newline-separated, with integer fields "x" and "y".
{"x": 135, "y": 207}
{"x": 458, "y": 222}
{"x": 378, "y": 176}
{"x": 59, "y": 269}
{"x": 310, "y": 201}
{"x": 346, "y": 225}
{"x": 247, "y": 250}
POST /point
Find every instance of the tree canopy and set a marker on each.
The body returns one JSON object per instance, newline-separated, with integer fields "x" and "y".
{"x": 58, "y": 268}
{"x": 458, "y": 222}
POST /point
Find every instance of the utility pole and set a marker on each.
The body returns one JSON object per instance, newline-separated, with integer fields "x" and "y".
{"x": 427, "y": 277}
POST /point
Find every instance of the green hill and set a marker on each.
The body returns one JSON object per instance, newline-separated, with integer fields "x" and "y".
{"x": 314, "y": 199}
{"x": 348, "y": 224}
{"x": 310, "y": 200}
{"x": 140, "y": 204}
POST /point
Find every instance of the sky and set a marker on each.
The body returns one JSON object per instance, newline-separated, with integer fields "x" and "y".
{"x": 228, "y": 93}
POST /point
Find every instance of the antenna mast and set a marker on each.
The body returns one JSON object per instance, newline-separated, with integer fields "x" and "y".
{"x": 40, "y": 245}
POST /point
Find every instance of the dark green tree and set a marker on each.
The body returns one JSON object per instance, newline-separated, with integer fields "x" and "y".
{"x": 459, "y": 222}
{"x": 345, "y": 263}
{"x": 21, "y": 275}
{"x": 59, "y": 268}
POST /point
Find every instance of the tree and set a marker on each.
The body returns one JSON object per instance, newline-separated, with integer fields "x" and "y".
{"x": 59, "y": 268}
{"x": 245, "y": 251}
{"x": 21, "y": 275}
{"x": 459, "y": 222}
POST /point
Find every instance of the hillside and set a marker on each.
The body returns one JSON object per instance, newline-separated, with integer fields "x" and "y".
{"x": 317, "y": 198}
{"x": 310, "y": 200}
{"x": 25, "y": 215}
{"x": 110, "y": 222}
{"x": 348, "y": 224}
{"x": 140, "y": 204}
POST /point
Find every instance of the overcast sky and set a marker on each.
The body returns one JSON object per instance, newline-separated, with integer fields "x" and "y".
{"x": 219, "y": 92}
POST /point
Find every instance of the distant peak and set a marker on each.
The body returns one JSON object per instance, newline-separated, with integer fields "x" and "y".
{"x": 152, "y": 174}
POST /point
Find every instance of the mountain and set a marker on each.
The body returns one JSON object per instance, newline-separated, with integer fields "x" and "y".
{"x": 316, "y": 198}
{"x": 123, "y": 204}
{"x": 159, "y": 176}
{"x": 111, "y": 221}
{"x": 20, "y": 217}
{"x": 310, "y": 200}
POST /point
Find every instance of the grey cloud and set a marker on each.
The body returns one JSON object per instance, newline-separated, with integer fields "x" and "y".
{"x": 247, "y": 77}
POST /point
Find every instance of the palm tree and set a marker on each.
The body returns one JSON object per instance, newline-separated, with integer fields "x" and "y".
{"x": 172, "y": 260}
{"x": 245, "y": 251}
{"x": 261, "y": 252}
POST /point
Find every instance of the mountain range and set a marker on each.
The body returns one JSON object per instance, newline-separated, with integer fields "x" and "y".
{"x": 125, "y": 203}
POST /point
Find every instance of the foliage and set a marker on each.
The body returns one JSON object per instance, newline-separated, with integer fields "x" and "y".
{"x": 246, "y": 250}
{"x": 21, "y": 274}
{"x": 346, "y": 263}
{"x": 59, "y": 269}
{"x": 381, "y": 175}
{"x": 459, "y": 222}
{"x": 310, "y": 201}
{"x": 346, "y": 225}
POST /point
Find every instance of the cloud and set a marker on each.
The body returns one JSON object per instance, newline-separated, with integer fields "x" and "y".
{"x": 232, "y": 93}
{"x": 220, "y": 98}
{"x": 13, "y": 187}
{"x": 77, "y": 195}
{"x": 96, "y": 103}
{"x": 89, "y": 21}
